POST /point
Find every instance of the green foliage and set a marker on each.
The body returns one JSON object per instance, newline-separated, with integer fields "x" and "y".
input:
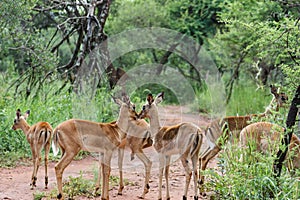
{"x": 248, "y": 99}
{"x": 194, "y": 18}
{"x": 251, "y": 178}
{"x": 136, "y": 14}
{"x": 39, "y": 195}
{"x": 78, "y": 186}
{"x": 260, "y": 39}
{"x": 75, "y": 186}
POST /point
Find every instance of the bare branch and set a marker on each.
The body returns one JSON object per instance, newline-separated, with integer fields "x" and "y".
{"x": 66, "y": 37}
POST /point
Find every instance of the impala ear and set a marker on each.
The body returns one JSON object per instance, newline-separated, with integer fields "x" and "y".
{"x": 18, "y": 113}
{"x": 125, "y": 98}
{"x": 117, "y": 101}
{"x": 159, "y": 98}
{"x": 150, "y": 99}
{"x": 273, "y": 89}
{"x": 26, "y": 114}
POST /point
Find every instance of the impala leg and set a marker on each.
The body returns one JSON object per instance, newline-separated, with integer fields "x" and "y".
{"x": 147, "y": 163}
{"x": 120, "y": 164}
{"x": 203, "y": 161}
{"x": 195, "y": 174}
{"x": 60, "y": 167}
{"x": 167, "y": 167}
{"x": 105, "y": 174}
{"x": 161, "y": 171}
{"x": 97, "y": 186}
{"x": 188, "y": 174}
{"x": 47, "y": 149}
{"x": 35, "y": 160}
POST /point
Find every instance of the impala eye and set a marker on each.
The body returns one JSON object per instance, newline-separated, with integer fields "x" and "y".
{"x": 133, "y": 107}
{"x": 144, "y": 107}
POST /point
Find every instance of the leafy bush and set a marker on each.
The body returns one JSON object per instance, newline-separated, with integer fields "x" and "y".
{"x": 251, "y": 178}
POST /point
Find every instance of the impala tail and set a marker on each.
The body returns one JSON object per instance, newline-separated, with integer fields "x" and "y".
{"x": 45, "y": 134}
{"x": 55, "y": 148}
{"x": 197, "y": 143}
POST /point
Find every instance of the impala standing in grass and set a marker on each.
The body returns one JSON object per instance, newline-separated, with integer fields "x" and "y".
{"x": 221, "y": 130}
{"x": 266, "y": 137}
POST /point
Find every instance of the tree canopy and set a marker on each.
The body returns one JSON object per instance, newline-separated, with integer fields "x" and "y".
{"x": 42, "y": 41}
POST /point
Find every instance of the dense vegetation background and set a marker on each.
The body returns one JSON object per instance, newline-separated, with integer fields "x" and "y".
{"x": 42, "y": 45}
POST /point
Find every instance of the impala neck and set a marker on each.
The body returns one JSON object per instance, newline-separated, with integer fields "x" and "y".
{"x": 154, "y": 120}
{"x": 25, "y": 127}
{"x": 123, "y": 119}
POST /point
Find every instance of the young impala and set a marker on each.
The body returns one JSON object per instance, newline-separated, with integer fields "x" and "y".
{"x": 74, "y": 135}
{"x": 219, "y": 130}
{"x": 38, "y": 136}
{"x": 138, "y": 138}
{"x": 267, "y": 137}
{"x": 183, "y": 139}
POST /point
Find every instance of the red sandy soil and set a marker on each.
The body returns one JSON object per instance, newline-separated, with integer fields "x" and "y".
{"x": 14, "y": 184}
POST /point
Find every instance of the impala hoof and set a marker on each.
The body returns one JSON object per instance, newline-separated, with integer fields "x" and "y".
{"x": 120, "y": 190}
{"x": 59, "y": 196}
{"x": 200, "y": 182}
{"x": 46, "y": 182}
{"x": 32, "y": 186}
{"x": 203, "y": 194}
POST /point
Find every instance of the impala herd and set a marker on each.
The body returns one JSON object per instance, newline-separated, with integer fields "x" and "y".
{"x": 132, "y": 131}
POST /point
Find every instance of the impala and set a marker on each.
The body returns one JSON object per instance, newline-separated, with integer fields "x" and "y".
{"x": 138, "y": 137}
{"x": 38, "y": 136}
{"x": 220, "y": 130}
{"x": 267, "y": 137}
{"x": 184, "y": 139}
{"x": 74, "y": 135}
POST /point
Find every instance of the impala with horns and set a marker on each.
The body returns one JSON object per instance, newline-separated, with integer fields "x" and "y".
{"x": 184, "y": 139}
{"x": 220, "y": 131}
{"x": 74, "y": 135}
{"x": 267, "y": 137}
{"x": 39, "y": 137}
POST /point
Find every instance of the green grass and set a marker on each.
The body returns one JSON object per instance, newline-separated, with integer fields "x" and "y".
{"x": 251, "y": 178}
{"x": 74, "y": 187}
{"x": 245, "y": 99}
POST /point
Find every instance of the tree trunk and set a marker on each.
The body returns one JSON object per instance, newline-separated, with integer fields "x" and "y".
{"x": 90, "y": 61}
{"x": 290, "y": 122}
